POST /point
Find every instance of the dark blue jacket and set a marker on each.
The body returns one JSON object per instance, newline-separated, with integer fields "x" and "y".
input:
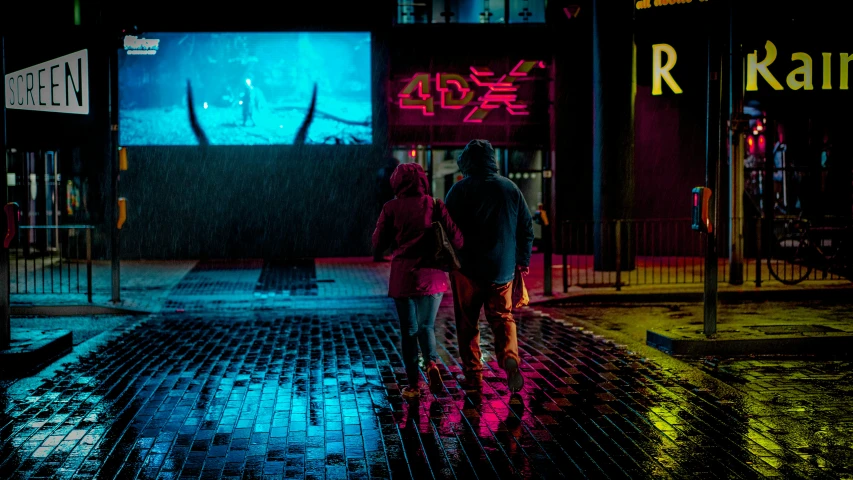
{"x": 492, "y": 215}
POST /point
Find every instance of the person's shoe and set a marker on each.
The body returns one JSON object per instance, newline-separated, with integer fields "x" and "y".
{"x": 435, "y": 383}
{"x": 470, "y": 381}
{"x": 411, "y": 392}
{"x": 514, "y": 380}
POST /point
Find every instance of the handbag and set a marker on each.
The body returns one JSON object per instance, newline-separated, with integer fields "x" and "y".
{"x": 438, "y": 252}
{"x": 520, "y": 296}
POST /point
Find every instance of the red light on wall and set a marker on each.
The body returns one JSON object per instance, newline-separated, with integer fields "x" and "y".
{"x": 413, "y": 153}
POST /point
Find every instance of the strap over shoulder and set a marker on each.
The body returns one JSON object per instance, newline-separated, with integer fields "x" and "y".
{"x": 436, "y": 216}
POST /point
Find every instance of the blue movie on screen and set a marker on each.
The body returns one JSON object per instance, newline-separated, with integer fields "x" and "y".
{"x": 246, "y": 88}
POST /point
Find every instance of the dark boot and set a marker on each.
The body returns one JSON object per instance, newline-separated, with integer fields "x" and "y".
{"x": 470, "y": 381}
{"x": 514, "y": 380}
{"x": 435, "y": 383}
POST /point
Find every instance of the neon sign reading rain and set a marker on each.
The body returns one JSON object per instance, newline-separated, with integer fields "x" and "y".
{"x": 455, "y": 92}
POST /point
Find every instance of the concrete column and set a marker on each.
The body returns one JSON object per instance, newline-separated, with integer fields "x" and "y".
{"x": 614, "y": 90}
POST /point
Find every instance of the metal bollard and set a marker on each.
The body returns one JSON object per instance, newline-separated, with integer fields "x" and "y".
{"x": 618, "y": 255}
{"x": 758, "y": 258}
{"x": 88, "y": 264}
{"x": 13, "y": 215}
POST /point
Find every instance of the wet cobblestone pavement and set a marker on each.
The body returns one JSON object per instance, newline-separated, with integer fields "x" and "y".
{"x": 315, "y": 393}
{"x": 802, "y": 407}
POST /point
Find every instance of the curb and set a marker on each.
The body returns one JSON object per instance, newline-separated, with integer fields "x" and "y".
{"x": 32, "y": 351}
{"x": 824, "y": 346}
{"x": 794, "y": 294}
{"x": 72, "y": 310}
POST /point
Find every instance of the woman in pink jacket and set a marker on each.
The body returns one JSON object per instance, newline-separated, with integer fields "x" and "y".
{"x": 416, "y": 292}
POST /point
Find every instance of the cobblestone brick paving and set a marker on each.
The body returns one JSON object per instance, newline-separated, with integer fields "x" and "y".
{"x": 356, "y": 277}
{"x": 289, "y": 277}
{"x": 276, "y": 286}
{"x": 314, "y": 393}
{"x": 801, "y": 408}
{"x": 145, "y": 285}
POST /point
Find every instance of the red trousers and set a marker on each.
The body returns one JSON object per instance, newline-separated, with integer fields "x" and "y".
{"x": 468, "y": 298}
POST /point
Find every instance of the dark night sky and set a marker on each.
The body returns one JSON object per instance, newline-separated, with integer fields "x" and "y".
{"x": 197, "y": 14}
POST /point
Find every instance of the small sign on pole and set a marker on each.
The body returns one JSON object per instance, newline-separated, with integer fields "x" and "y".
{"x": 702, "y": 210}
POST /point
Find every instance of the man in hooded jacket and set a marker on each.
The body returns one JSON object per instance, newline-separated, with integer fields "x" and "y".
{"x": 494, "y": 219}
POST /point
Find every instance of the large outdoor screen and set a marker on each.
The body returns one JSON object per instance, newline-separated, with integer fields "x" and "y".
{"x": 245, "y": 89}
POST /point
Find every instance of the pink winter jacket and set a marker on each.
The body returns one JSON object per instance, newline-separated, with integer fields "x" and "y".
{"x": 403, "y": 223}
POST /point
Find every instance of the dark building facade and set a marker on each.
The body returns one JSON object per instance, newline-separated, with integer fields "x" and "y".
{"x": 491, "y": 81}
{"x": 777, "y": 101}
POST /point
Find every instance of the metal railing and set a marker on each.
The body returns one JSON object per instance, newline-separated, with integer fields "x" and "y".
{"x": 655, "y": 251}
{"x": 43, "y": 263}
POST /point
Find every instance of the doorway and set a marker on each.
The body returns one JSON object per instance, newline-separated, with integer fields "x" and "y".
{"x": 523, "y": 166}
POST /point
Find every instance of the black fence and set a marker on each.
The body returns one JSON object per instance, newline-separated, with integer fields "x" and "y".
{"x": 47, "y": 260}
{"x": 670, "y": 252}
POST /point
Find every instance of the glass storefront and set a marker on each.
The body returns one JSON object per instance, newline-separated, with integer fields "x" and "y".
{"x": 51, "y": 190}
{"x": 524, "y": 167}
{"x": 471, "y": 11}
{"x": 793, "y": 159}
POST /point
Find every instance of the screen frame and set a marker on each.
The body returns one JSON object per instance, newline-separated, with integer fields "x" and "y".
{"x": 378, "y": 76}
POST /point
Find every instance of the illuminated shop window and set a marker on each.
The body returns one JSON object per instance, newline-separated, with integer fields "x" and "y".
{"x": 470, "y": 11}
{"x": 445, "y": 11}
{"x": 482, "y": 11}
{"x": 413, "y": 11}
{"x": 526, "y": 11}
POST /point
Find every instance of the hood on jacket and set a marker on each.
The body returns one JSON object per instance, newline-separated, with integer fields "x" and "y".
{"x": 477, "y": 158}
{"x": 409, "y": 180}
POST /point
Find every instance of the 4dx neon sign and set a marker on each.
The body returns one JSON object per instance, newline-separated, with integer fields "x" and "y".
{"x": 455, "y": 92}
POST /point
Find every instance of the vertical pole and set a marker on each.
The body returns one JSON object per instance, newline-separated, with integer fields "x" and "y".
{"x": 736, "y": 213}
{"x": 758, "y": 253}
{"x": 547, "y": 232}
{"x": 3, "y": 112}
{"x": 550, "y": 163}
{"x": 429, "y": 170}
{"x": 88, "y": 265}
{"x": 5, "y": 283}
{"x": 736, "y": 157}
{"x": 112, "y": 158}
{"x": 618, "y": 255}
{"x": 5, "y": 301}
{"x": 713, "y": 102}
{"x": 613, "y": 72}
{"x": 114, "y": 174}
